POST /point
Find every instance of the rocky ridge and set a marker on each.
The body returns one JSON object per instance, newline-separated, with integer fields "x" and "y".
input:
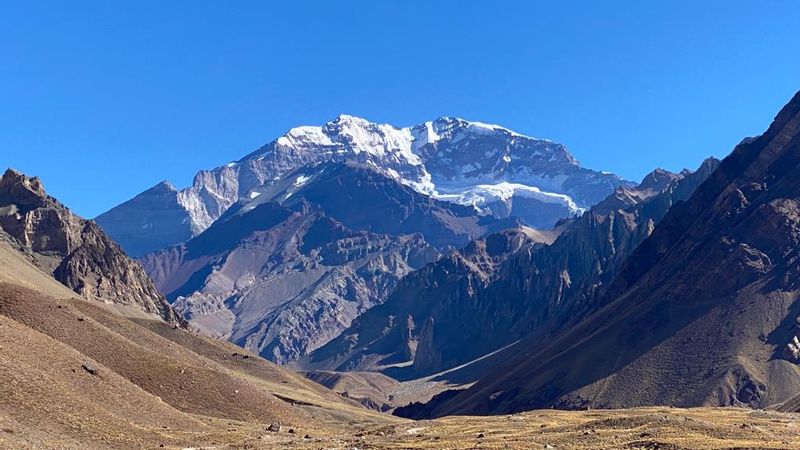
{"x": 285, "y": 270}
{"x": 74, "y": 251}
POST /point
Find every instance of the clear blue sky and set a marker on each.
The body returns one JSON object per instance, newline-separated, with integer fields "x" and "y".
{"x": 104, "y": 99}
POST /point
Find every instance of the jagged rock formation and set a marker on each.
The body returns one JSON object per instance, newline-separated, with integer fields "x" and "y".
{"x": 484, "y": 166}
{"x": 75, "y": 251}
{"x": 504, "y": 287}
{"x": 700, "y": 314}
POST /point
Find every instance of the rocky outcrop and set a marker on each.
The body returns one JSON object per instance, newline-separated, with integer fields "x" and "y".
{"x": 75, "y": 251}
{"x": 404, "y": 333}
{"x": 700, "y": 314}
{"x": 487, "y": 167}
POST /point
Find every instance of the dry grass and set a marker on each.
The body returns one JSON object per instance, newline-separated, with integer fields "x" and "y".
{"x": 167, "y": 387}
{"x": 645, "y": 428}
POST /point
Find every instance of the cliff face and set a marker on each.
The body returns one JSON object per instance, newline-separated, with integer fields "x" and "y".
{"x": 75, "y": 251}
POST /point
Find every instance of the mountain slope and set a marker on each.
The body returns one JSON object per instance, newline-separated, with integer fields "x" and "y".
{"x": 371, "y": 389}
{"x": 486, "y": 166}
{"x": 74, "y": 373}
{"x": 363, "y": 199}
{"x": 63, "y": 380}
{"x": 703, "y": 313}
{"x": 154, "y": 219}
{"x": 503, "y": 287}
{"x": 76, "y": 252}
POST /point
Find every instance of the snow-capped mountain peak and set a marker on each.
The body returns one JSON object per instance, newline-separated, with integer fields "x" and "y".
{"x": 449, "y": 158}
{"x": 447, "y": 151}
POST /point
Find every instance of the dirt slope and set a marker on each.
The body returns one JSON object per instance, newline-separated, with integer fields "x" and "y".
{"x": 153, "y": 382}
{"x": 372, "y": 389}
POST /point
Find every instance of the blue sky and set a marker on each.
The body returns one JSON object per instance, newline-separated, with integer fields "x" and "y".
{"x": 104, "y": 99}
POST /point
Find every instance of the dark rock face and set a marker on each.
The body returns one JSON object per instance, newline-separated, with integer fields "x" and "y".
{"x": 75, "y": 251}
{"x": 407, "y": 327}
{"x": 702, "y": 313}
{"x": 363, "y": 199}
{"x": 506, "y": 286}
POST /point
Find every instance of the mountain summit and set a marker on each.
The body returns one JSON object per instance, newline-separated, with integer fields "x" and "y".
{"x": 491, "y": 168}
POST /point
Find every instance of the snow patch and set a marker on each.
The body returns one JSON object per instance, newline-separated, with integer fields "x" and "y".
{"x": 301, "y": 180}
{"x": 488, "y": 128}
{"x": 483, "y": 194}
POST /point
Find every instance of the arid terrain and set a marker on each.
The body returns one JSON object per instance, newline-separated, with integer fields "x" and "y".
{"x": 78, "y": 375}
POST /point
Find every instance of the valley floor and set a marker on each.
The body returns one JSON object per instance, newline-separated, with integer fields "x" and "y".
{"x": 643, "y": 428}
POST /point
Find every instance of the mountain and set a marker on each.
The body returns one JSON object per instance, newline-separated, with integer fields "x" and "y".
{"x": 503, "y": 287}
{"x": 488, "y": 167}
{"x": 76, "y": 374}
{"x": 74, "y": 251}
{"x": 155, "y": 219}
{"x": 287, "y": 269}
{"x": 704, "y": 312}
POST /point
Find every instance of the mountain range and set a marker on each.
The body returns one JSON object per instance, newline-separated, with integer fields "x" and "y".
{"x": 257, "y": 268}
{"x": 495, "y": 170}
{"x": 420, "y": 252}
